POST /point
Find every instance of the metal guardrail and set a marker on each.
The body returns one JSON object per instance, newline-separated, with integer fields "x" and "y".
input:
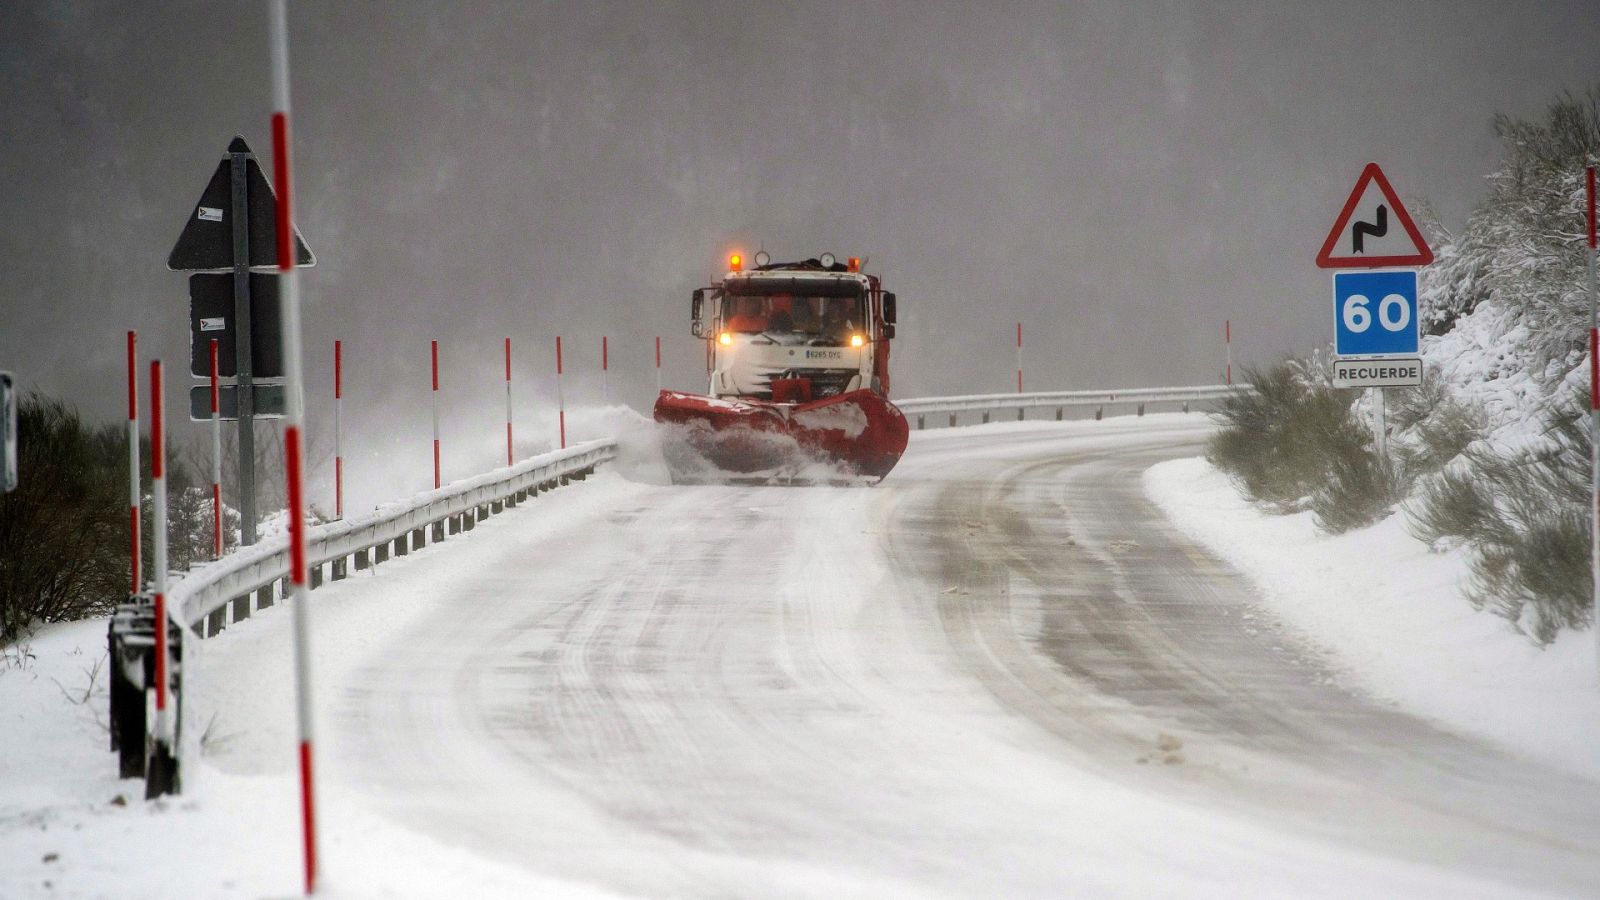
{"x": 202, "y": 598}
{"x": 986, "y": 404}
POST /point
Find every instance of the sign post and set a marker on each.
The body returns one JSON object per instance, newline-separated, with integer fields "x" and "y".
{"x": 1375, "y": 312}
{"x": 234, "y": 229}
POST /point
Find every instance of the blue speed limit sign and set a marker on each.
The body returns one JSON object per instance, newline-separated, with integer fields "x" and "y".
{"x": 1375, "y": 312}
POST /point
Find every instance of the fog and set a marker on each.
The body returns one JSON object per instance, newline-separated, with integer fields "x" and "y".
{"x": 1118, "y": 177}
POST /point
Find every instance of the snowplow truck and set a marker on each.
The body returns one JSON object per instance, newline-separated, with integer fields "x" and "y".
{"x": 797, "y": 357}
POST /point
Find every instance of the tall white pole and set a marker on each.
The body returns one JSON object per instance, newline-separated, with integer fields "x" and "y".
{"x": 137, "y": 551}
{"x": 158, "y": 499}
{"x": 1019, "y": 357}
{"x": 338, "y": 429}
{"x": 216, "y": 460}
{"x": 508, "y": 402}
{"x": 1594, "y": 419}
{"x": 561, "y": 400}
{"x": 293, "y": 422}
{"x": 435, "y": 352}
{"x": 1227, "y": 340}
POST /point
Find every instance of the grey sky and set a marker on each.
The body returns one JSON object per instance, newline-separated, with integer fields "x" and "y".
{"x": 1119, "y": 176}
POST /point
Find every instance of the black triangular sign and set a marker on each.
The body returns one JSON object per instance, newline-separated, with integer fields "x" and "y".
{"x": 207, "y": 240}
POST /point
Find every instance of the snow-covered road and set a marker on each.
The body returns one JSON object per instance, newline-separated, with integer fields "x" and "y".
{"x": 998, "y": 673}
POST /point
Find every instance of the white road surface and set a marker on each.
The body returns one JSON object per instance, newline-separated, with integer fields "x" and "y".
{"x": 1000, "y": 673}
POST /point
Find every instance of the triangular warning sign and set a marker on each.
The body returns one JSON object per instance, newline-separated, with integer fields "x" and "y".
{"x": 207, "y": 240}
{"x": 1365, "y": 237}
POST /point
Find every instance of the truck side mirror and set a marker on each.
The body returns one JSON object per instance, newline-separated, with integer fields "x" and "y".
{"x": 888, "y": 331}
{"x": 696, "y": 327}
{"x": 888, "y": 307}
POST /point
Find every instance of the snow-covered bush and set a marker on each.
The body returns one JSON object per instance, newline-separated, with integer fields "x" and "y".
{"x": 64, "y": 530}
{"x": 1507, "y": 313}
{"x": 1293, "y": 444}
{"x": 1429, "y": 427}
{"x": 1524, "y": 513}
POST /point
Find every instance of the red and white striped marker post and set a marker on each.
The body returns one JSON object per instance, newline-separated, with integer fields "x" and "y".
{"x": 158, "y": 498}
{"x": 338, "y": 429}
{"x": 136, "y": 550}
{"x": 1019, "y": 357}
{"x": 605, "y": 371}
{"x": 292, "y": 424}
{"x": 216, "y": 461}
{"x": 1227, "y": 342}
{"x": 508, "y": 401}
{"x": 435, "y": 415}
{"x": 561, "y": 401}
{"x": 658, "y": 363}
{"x": 1594, "y": 413}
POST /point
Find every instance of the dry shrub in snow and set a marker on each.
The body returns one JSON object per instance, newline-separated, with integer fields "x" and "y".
{"x": 1293, "y": 444}
{"x": 64, "y": 530}
{"x": 1524, "y": 514}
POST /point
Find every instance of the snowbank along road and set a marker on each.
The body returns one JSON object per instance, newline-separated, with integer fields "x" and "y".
{"x": 998, "y": 673}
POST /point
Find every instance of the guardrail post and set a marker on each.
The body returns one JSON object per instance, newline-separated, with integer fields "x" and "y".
{"x": 402, "y": 546}
{"x": 264, "y": 597}
{"x": 469, "y": 519}
{"x": 419, "y": 538}
{"x": 1099, "y": 413}
{"x": 453, "y": 524}
{"x": 920, "y": 423}
{"x": 315, "y": 573}
{"x": 341, "y": 568}
{"x": 215, "y": 620}
{"x": 1058, "y": 413}
{"x": 362, "y": 561}
{"x": 1141, "y": 409}
{"x": 380, "y": 553}
{"x": 1185, "y": 406}
{"x": 986, "y": 417}
{"x": 241, "y": 607}
{"x": 952, "y": 420}
{"x": 438, "y": 531}
{"x": 1020, "y": 413}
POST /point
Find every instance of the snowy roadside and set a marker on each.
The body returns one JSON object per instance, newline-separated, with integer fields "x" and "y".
{"x": 70, "y": 828}
{"x": 1391, "y": 615}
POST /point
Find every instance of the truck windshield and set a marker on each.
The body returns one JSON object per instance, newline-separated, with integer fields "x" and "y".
{"x": 834, "y": 319}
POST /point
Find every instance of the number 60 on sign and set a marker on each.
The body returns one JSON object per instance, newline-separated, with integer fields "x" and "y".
{"x": 1375, "y": 313}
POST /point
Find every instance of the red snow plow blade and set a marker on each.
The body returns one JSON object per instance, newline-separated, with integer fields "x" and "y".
{"x": 858, "y": 433}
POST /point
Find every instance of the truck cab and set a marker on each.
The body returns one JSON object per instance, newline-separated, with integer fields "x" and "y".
{"x": 795, "y": 332}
